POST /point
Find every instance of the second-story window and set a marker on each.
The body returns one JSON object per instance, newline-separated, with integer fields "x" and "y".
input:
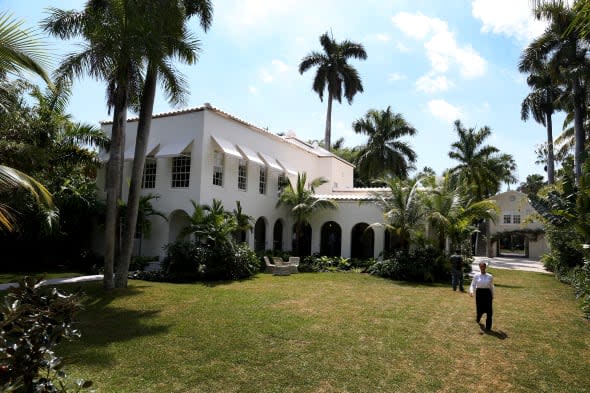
{"x": 149, "y": 174}
{"x": 242, "y": 175}
{"x": 281, "y": 183}
{"x": 507, "y": 218}
{"x": 218, "y": 169}
{"x": 516, "y": 219}
{"x": 262, "y": 182}
{"x": 181, "y": 171}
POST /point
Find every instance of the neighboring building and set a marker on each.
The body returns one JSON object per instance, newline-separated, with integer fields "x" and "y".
{"x": 203, "y": 154}
{"x": 516, "y": 232}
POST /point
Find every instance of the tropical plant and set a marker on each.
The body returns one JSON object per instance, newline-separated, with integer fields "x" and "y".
{"x": 112, "y": 49}
{"x": 566, "y": 55}
{"x": 145, "y": 210}
{"x": 243, "y": 223}
{"x": 532, "y": 185}
{"x": 334, "y": 73}
{"x": 303, "y": 203}
{"x": 452, "y": 214}
{"x": 402, "y": 209}
{"x": 11, "y": 179}
{"x": 481, "y": 168}
{"x": 541, "y": 103}
{"x": 167, "y": 37}
{"x": 384, "y": 154}
{"x": 210, "y": 224}
{"x": 20, "y": 49}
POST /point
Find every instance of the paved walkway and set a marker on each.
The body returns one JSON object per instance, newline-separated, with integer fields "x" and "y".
{"x": 510, "y": 263}
{"x": 53, "y": 281}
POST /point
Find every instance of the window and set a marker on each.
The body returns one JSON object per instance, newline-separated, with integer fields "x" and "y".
{"x": 181, "y": 171}
{"x": 281, "y": 183}
{"x": 242, "y": 175}
{"x": 149, "y": 174}
{"x": 516, "y": 219}
{"x": 218, "y": 169}
{"x": 506, "y": 218}
{"x": 262, "y": 182}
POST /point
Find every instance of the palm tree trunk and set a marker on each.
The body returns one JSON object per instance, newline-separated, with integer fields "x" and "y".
{"x": 550, "y": 155}
{"x": 141, "y": 142}
{"x": 328, "y": 133}
{"x": 578, "y": 130}
{"x": 113, "y": 184}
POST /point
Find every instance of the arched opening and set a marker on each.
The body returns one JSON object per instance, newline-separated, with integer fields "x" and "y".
{"x": 512, "y": 245}
{"x": 277, "y": 236}
{"x": 362, "y": 241}
{"x": 331, "y": 239}
{"x": 177, "y": 221}
{"x": 391, "y": 244}
{"x": 260, "y": 235}
{"x": 305, "y": 238}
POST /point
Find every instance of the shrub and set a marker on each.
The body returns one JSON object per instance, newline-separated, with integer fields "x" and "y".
{"x": 140, "y": 262}
{"x": 580, "y": 280}
{"x": 424, "y": 264}
{"x": 322, "y": 263}
{"x": 33, "y": 323}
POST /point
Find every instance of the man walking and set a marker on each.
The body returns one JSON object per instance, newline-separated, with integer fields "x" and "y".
{"x": 457, "y": 271}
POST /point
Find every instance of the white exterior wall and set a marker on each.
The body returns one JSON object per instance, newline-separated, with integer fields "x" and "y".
{"x": 200, "y": 126}
{"x": 516, "y": 203}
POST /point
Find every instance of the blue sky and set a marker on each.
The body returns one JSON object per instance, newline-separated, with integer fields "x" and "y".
{"x": 431, "y": 61}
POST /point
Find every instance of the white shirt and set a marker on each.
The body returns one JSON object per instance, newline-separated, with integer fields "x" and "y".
{"x": 482, "y": 281}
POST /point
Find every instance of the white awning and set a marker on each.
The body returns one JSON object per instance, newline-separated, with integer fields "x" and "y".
{"x": 250, "y": 155}
{"x": 174, "y": 149}
{"x": 227, "y": 147}
{"x": 130, "y": 152}
{"x": 271, "y": 162}
{"x": 288, "y": 168}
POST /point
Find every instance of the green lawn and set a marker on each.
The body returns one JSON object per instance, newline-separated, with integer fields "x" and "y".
{"x": 331, "y": 332}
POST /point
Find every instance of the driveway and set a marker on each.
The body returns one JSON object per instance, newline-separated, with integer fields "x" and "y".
{"x": 511, "y": 264}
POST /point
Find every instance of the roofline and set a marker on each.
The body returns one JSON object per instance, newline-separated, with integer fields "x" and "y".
{"x": 218, "y": 111}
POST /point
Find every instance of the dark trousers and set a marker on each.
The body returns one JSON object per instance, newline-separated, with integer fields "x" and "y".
{"x": 483, "y": 303}
{"x": 457, "y": 279}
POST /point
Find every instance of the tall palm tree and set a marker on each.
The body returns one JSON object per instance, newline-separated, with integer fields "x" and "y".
{"x": 384, "y": 154}
{"x": 541, "y": 103}
{"x": 166, "y": 37}
{"x": 303, "y": 203}
{"x": 481, "y": 168}
{"x": 111, "y": 51}
{"x": 334, "y": 72}
{"x": 402, "y": 209}
{"x": 566, "y": 53}
{"x": 20, "y": 50}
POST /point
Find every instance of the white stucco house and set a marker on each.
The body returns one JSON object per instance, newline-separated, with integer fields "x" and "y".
{"x": 204, "y": 153}
{"x": 516, "y": 231}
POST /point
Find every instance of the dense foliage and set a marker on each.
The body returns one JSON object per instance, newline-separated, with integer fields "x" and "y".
{"x": 423, "y": 264}
{"x": 32, "y": 323}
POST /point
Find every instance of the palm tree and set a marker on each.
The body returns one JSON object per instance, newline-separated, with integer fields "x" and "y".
{"x": 384, "y": 154}
{"x": 243, "y": 223}
{"x": 541, "y": 104}
{"x": 450, "y": 212}
{"x": 166, "y": 37}
{"x": 566, "y": 54}
{"x": 20, "y": 50}
{"x": 403, "y": 211}
{"x": 334, "y": 72}
{"x": 10, "y": 179}
{"x": 111, "y": 51}
{"x": 303, "y": 203}
{"x": 480, "y": 168}
{"x": 211, "y": 224}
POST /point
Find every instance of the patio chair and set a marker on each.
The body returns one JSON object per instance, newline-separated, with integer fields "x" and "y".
{"x": 293, "y": 264}
{"x": 269, "y": 267}
{"x": 278, "y": 261}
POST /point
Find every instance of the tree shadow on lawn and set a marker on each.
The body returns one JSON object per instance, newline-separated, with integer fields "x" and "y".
{"x": 102, "y": 324}
{"x": 508, "y": 286}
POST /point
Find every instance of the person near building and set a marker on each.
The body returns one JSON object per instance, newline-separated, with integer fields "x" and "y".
{"x": 483, "y": 287}
{"x": 457, "y": 271}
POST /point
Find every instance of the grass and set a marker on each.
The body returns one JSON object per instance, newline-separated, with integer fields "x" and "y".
{"x": 331, "y": 333}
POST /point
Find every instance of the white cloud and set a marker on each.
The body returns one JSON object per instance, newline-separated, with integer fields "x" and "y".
{"x": 276, "y": 69}
{"x": 396, "y": 76}
{"x": 512, "y": 18}
{"x": 280, "y": 66}
{"x": 383, "y": 37}
{"x": 445, "y": 111}
{"x": 442, "y": 50}
{"x": 266, "y": 76}
{"x": 432, "y": 83}
{"x": 253, "y": 90}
